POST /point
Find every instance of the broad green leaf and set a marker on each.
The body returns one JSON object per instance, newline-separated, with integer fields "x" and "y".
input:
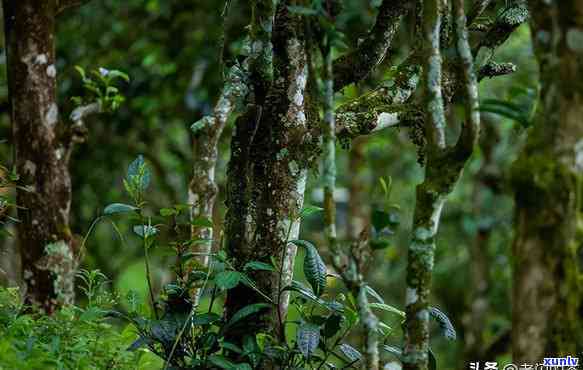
{"x": 332, "y": 325}
{"x": 397, "y": 352}
{"x": 302, "y": 10}
{"x": 308, "y": 337}
{"x": 139, "y": 173}
{"x": 165, "y": 212}
{"x": 145, "y": 231}
{"x": 373, "y": 293}
{"x": 445, "y": 324}
{"x": 350, "y": 352}
{"x": 388, "y": 308}
{"x": 205, "y": 318}
{"x": 245, "y": 312}
{"x": 309, "y": 210}
{"x": 258, "y": 266}
{"x": 115, "y": 74}
{"x": 201, "y": 222}
{"x": 222, "y": 362}
{"x": 119, "y": 208}
{"x": 227, "y": 279}
{"x": 314, "y": 267}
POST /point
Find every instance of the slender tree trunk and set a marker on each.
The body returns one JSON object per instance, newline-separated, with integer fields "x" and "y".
{"x": 547, "y": 178}
{"x": 46, "y": 242}
{"x": 479, "y": 264}
{"x": 442, "y": 170}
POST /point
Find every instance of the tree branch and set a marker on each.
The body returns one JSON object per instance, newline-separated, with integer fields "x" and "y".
{"x": 356, "y": 65}
{"x": 471, "y": 127}
{"x": 66, "y": 4}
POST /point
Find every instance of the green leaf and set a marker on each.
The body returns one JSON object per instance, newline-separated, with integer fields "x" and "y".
{"x": 112, "y": 73}
{"x": 373, "y": 293}
{"x": 350, "y": 352}
{"x": 388, "y": 308}
{"x": 308, "y": 337}
{"x": 302, "y": 10}
{"x": 145, "y": 231}
{"x": 332, "y": 325}
{"x": 222, "y": 362}
{"x": 310, "y": 210}
{"x": 227, "y": 279}
{"x": 447, "y": 328}
{"x": 397, "y": 352}
{"x": 201, "y": 222}
{"x": 245, "y": 312}
{"x": 258, "y": 266}
{"x": 432, "y": 361}
{"x": 380, "y": 219}
{"x": 165, "y": 212}
{"x": 314, "y": 267}
{"x": 119, "y": 208}
{"x": 139, "y": 173}
{"x": 205, "y": 318}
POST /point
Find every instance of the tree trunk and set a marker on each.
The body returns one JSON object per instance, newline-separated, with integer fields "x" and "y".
{"x": 270, "y": 152}
{"x": 41, "y": 159}
{"x": 547, "y": 178}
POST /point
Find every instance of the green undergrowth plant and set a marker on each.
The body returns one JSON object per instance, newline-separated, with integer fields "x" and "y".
{"x": 75, "y": 337}
{"x": 189, "y": 336}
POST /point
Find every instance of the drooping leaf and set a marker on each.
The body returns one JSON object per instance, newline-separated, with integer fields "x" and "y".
{"x": 314, "y": 267}
{"x": 139, "y": 343}
{"x": 201, "y": 222}
{"x": 245, "y": 312}
{"x": 388, "y": 308}
{"x": 302, "y": 10}
{"x": 258, "y": 266}
{"x": 350, "y": 352}
{"x": 397, "y": 352}
{"x": 309, "y": 210}
{"x": 227, "y": 279}
{"x": 165, "y": 212}
{"x": 445, "y": 324}
{"x": 432, "y": 361}
{"x": 308, "y": 337}
{"x": 119, "y": 208}
{"x": 145, "y": 231}
{"x": 222, "y": 362}
{"x": 205, "y": 318}
{"x": 373, "y": 293}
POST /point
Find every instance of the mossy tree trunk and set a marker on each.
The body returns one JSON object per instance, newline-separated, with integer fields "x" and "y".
{"x": 547, "y": 178}
{"x": 274, "y": 142}
{"x": 443, "y": 168}
{"x": 42, "y": 147}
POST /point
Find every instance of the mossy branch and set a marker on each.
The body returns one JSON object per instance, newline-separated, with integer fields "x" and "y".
{"x": 356, "y": 65}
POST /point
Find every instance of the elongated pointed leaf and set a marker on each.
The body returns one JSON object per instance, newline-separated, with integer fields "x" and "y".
{"x": 350, "y": 352}
{"x": 388, "y": 308}
{"x": 227, "y": 279}
{"x": 245, "y": 312}
{"x": 119, "y": 208}
{"x": 314, "y": 267}
{"x": 308, "y": 337}
{"x": 445, "y": 324}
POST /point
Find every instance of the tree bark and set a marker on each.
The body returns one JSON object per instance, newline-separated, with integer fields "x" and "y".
{"x": 443, "y": 168}
{"x": 547, "y": 178}
{"x": 273, "y": 145}
{"x": 45, "y": 240}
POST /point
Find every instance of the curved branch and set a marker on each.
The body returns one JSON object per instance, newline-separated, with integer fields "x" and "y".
{"x": 356, "y": 65}
{"x": 66, "y": 4}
